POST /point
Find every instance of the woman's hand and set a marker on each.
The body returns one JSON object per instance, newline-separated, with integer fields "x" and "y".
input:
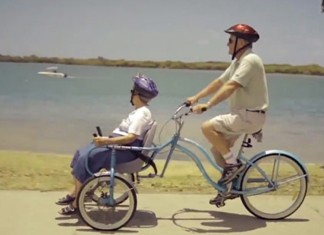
{"x": 101, "y": 141}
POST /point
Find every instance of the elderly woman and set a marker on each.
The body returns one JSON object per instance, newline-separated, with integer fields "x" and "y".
{"x": 130, "y": 132}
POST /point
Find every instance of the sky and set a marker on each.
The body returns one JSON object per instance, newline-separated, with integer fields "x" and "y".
{"x": 292, "y": 31}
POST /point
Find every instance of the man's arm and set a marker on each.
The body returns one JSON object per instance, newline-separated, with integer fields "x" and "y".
{"x": 224, "y": 92}
{"x": 211, "y": 88}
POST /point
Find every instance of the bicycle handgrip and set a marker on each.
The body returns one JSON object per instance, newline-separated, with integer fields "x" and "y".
{"x": 187, "y": 103}
{"x": 99, "y": 131}
{"x": 202, "y": 110}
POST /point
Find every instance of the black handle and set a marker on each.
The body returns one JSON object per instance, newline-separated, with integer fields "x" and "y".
{"x": 203, "y": 109}
{"x": 99, "y": 131}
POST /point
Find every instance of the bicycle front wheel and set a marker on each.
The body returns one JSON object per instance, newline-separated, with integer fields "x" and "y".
{"x": 103, "y": 211}
{"x": 123, "y": 197}
{"x": 274, "y": 186}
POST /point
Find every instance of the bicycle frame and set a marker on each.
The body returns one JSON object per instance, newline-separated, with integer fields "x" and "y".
{"x": 176, "y": 143}
{"x": 263, "y": 174}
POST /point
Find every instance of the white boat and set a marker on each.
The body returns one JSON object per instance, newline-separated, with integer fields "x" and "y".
{"x": 53, "y": 72}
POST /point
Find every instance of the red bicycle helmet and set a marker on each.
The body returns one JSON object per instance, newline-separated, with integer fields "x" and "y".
{"x": 244, "y": 31}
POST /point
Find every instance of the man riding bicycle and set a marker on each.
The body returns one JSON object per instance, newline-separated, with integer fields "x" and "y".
{"x": 244, "y": 84}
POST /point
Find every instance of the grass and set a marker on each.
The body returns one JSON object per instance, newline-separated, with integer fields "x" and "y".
{"x": 51, "y": 172}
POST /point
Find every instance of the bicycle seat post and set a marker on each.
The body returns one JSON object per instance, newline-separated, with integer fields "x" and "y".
{"x": 245, "y": 138}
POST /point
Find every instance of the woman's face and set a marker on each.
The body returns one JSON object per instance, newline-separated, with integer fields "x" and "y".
{"x": 134, "y": 98}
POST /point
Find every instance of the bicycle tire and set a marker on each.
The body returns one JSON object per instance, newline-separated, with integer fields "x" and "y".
{"x": 94, "y": 209}
{"x": 286, "y": 189}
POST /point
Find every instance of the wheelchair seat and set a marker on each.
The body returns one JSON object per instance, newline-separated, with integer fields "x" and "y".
{"x": 136, "y": 165}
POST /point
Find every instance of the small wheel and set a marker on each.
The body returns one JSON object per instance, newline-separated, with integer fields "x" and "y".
{"x": 276, "y": 186}
{"x": 103, "y": 211}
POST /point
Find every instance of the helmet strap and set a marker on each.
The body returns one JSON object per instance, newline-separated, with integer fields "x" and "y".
{"x": 235, "y": 45}
{"x": 242, "y": 48}
{"x": 132, "y": 95}
{"x": 131, "y": 100}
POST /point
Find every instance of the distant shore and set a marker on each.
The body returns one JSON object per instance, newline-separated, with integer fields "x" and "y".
{"x": 311, "y": 69}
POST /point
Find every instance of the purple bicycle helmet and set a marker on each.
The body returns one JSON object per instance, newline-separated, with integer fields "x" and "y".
{"x": 145, "y": 86}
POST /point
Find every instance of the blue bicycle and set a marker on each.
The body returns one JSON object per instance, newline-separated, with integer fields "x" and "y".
{"x": 108, "y": 200}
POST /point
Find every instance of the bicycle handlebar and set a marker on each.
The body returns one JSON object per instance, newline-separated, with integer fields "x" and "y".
{"x": 179, "y": 114}
{"x": 185, "y": 104}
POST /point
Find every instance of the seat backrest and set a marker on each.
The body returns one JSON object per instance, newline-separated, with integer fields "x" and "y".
{"x": 149, "y": 137}
{"x": 136, "y": 165}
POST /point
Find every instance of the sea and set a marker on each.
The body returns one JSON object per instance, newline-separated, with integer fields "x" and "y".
{"x": 54, "y": 115}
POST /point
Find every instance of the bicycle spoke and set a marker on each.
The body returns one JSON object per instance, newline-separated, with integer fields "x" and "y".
{"x": 290, "y": 179}
{"x": 275, "y": 169}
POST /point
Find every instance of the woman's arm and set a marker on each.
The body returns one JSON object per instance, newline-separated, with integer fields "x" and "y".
{"x": 121, "y": 140}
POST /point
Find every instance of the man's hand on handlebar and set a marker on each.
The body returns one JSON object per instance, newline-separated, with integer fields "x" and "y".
{"x": 199, "y": 108}
{"x": 191, "y": 100}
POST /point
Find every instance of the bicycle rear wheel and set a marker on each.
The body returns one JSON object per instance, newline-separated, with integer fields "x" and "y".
{"x": 276, "y": 186}
{"x": 103, "y": 211}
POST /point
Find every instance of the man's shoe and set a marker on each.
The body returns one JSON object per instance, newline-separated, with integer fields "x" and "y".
{"x": 218, "y": 197}
{"x": 230, "y": 171}
{"x": 219, "y": 200}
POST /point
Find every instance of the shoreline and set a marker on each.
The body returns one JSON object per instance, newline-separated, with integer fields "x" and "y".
{"x": 310, "y": 69}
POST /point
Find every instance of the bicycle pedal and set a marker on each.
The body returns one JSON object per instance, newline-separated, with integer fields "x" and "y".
{"x": 220, "y": 204}
{"x": 218, "y": 201}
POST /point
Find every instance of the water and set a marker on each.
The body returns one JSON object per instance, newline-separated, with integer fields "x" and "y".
{"x": 44, "y": 114}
